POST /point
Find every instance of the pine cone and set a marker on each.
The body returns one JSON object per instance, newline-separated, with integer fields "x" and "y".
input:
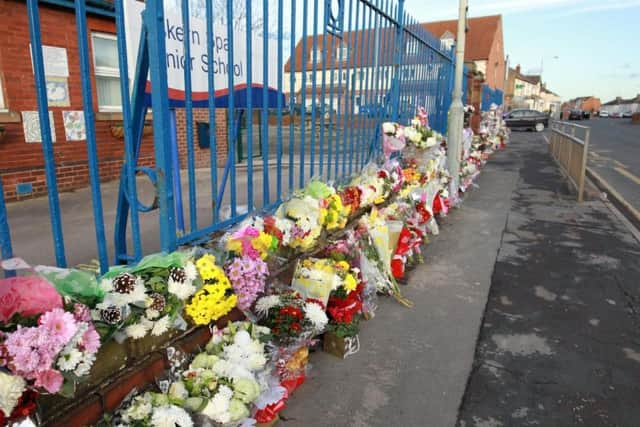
{"x": 159, "y": 302}
{"x": 124, "y": 283}
{"x": 111, "y": 315}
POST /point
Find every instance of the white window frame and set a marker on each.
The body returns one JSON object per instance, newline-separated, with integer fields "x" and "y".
{"x": 105, "y": 71}
{"x": 3, "y": 103}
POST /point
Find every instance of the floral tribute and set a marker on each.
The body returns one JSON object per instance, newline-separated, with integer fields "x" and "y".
{"x": 291, "y": 318}
{"x": 216, "y": 297}
{"x": 305, "y": 216}
{"x": 146, "y": 299}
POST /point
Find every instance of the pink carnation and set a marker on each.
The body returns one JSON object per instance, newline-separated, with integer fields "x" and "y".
{"x": 61, "y": 325}
{"x": 90, "y": 341}
{"x": 28, "y": 296}
{"x": 81, "y": 313}
{"x": 50, "y": 379}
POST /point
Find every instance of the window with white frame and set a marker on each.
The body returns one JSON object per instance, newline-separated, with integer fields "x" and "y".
{"x": 107, "y": 73}
{"x": 411, "y": 47}
{"x": 343, "y": 49}
{"x": 3, "y": 105}
{"x": 318, "y": 55}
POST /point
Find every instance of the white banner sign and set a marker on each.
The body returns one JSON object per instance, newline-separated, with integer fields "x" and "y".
{"x": 176, "y": 60}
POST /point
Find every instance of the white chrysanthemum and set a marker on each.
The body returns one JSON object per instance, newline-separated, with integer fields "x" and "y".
{"x": 228, "y": 369}
{"x": 170, "y": 416}
{"x": 266, "y": 303}
{"x": 139, "y": 409}
{"x": 84, "y": 367}
{"x": 69, "y": 359}
{"x": 151, "y": 314}
{"x": 106, "y": 285}
{"x": 218, "y": 407}
{"x": 11, "y": 389}
{"x": 182, "y": 290}
{"x": 389, "y": 128}
{"x": 316, "y": 316}
{"x": 137, "y": 330}
{"x": 190, "y": 271}
{"x": 161, "y": 326}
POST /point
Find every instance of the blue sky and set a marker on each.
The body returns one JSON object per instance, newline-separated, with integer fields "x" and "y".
{"x": 586, "y": 47}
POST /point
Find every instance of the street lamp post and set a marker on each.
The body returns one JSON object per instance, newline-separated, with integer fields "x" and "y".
{"x": 456, "y": 111}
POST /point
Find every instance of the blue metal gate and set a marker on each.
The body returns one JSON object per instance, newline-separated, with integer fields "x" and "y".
{"x": 352, "y": 65}
{"x": 490, "y": 96}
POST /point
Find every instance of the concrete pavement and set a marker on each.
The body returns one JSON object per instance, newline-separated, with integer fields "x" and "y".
{"x": 560, "y": 343}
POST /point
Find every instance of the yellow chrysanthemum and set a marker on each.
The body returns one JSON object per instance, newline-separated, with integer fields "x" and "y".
{"x": 350, "y": 283}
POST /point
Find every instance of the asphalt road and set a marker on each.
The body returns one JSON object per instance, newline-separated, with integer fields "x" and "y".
{"x": 614, "y": 154}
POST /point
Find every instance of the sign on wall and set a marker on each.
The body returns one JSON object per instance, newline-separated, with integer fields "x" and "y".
{"x": 198, "y": 63}
{"x": 31, "y": 126}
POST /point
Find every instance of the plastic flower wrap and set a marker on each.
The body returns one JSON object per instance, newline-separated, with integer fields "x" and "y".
{"x": 55, "y": 352}
{"x": 216, "y": 297}
{"x": 291, "y": 318}
{"x": 146, "y": 299}
{"x": 373, "y": 188}
{"x": 304, "y": 212}
{"x": 247, "y": 276}
{"x": 393, "y": 138}
{"x": 317, "y": 278}
{"x": 26, "y": 296}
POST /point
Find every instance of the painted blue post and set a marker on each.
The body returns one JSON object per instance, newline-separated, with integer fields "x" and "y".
{"x": 188, "y": 110}
{"x": 266, "y": 188}
{"x": 6, "y": 250}
{"x": 314, "y": 105}
{"x": 213, "y": 152}
{"x": 89, "y": 120}
{"x": 231, "y": 109}
{"x": 280, "y": 106}
{"x": 45, "y": 132}
{"x": 175, "y": 163}
{"x": 249, "y": 96}
{"x": 303, "y": 95}
{"x": 153, "y": 18}
{"x": 399, "y": 45}
{"x": 128, "y": 177}
{"x": 292, "y": 79}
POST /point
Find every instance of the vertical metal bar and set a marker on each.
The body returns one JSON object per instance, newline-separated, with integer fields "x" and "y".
{"x": 231, "y": 111}
{"x": 356, "y": 67}
{"x": 292, "y": 79}
{"x": 314, "y": 106}
{"x": 89, "y": 120}
{"x": 303, "y": 97}
{"x": 340, "y": 127}
{"x": 249, "y": 119}
{"x": 583, "y": 166}
{"x": 188, "y": 106}
{"x": 266, "y": 188}
{"x": 153, "y": 18}
{"x": 280, "y": 90}
{"x": 380, "y": 77}
{"x": 331, "y": 55}
{"x": 213, "y": 144}
{"x": 397, "y": 57}
{"x": 348, "y": 36}
{"x": 45, "y": 132}
{"x": 368, "y": 86}
{"x": 129, "y": 168}
{"x": 323, "y": 91}
{"x": 6, "y": 250}
{"x": 175, "y": 168}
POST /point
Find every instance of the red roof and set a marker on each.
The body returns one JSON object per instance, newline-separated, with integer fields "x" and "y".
{"x": 480, "y": 35}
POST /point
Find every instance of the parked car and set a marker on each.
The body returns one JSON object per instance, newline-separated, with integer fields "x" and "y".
{"x": 527, "y": 119}
{"x": 575, "y": 115}
{"x": 374, "y": 110}
{"x": 586, "y": 115}
{"x": 615, "y": 115}
{"x": 627, "y": 114}
{"x": 604, "y": 113}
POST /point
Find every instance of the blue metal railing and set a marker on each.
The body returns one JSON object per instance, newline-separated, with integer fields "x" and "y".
{"x": 490, "y": 96}
{"x": 351, "y": 65}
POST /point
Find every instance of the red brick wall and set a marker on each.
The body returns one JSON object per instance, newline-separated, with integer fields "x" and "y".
{"x": 495, "y": 63}
{"x": 202, "y": 159}
{"x": 22, "y": 162}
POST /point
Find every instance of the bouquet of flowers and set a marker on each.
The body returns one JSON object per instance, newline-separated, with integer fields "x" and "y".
{"x": 350, "y": 197}
{"x": 291, "y": 318}
{"x": 223, "y": 382}
{"x": 53, "y": 353}
{"x": 147, "y": 298}
{"x": 216, "y": 297}
{"x": 393, "y": 138}
{"x": 317, "y": 278}
{"x": 374, "y": 189}
{"x": 248, "y": 277}
{"x": 153, "y": 410}
{"x": 304, "y": 212}
{"x": 252, "y": 242}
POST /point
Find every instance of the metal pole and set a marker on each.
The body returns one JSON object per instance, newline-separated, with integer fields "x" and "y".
{"x": 456, "y": 111}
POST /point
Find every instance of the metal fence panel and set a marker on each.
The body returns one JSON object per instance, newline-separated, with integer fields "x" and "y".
{"x": 351, "y": 66}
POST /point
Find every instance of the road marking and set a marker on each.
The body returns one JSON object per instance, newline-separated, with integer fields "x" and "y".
{"x": 628, "y": 174}
{"x": 620, "y": 165}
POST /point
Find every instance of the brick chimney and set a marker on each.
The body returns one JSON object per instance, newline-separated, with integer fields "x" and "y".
{"x": 518, "y": 69}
